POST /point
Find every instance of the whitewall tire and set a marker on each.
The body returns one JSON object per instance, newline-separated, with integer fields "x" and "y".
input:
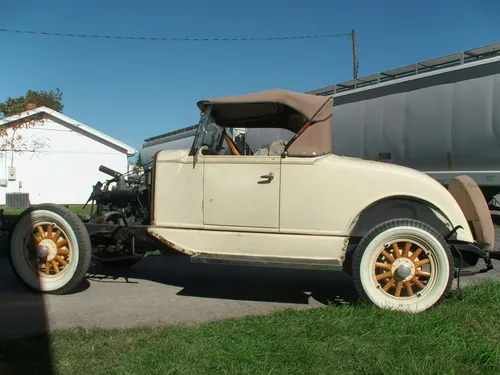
{"x": 404, "y": 265}
{"x": 50, "y": 249}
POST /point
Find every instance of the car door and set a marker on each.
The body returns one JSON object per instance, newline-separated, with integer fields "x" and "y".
{"x": 241, "y": 191}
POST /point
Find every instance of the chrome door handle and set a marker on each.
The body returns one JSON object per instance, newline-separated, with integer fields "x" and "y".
{"x": 269, "y": 176}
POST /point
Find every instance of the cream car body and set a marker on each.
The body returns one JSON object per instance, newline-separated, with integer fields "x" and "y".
{"x": 398, "y": 232}
{"x": 307, "y": 210}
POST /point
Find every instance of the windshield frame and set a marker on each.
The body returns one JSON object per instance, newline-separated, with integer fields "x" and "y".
{"x": 204, "y": 129}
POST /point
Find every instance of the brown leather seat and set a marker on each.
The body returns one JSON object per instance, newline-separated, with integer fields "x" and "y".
{"x": 475, "y": 208}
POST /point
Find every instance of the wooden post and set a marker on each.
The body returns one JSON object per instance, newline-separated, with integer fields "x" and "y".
{"x": 354, "y": 57}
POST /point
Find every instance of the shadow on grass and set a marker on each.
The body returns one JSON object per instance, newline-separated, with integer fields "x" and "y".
{"x": 24, "y": 326}
{"x": 22, "y": 312}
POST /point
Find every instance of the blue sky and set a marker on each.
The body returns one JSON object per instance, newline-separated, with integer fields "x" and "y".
{"x": 132, "y": 90}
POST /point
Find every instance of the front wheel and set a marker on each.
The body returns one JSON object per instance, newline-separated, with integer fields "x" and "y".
{"x": 404, "y": 265}
{"x": 50, "y": 249}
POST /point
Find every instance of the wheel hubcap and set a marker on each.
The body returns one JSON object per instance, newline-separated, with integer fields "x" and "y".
{"x": 41, "y": 251}
{"x": 403, "y": 271}
{"x": 49, "y": 249}
{"x": 399, "y": 269}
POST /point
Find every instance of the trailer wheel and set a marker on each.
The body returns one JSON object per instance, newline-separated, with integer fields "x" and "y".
{"x": 50, "y": 249}
{"x": 403, "y": 264}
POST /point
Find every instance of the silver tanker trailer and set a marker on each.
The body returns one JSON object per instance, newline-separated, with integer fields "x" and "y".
{"x": 440, "y": 116}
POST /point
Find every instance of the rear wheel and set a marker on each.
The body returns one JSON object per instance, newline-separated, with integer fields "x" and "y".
{"x": 403, "y": 264}
{"x": 50, "y": 249}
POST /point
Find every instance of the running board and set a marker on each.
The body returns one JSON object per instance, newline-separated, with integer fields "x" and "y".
{"x": 275, "y": 262}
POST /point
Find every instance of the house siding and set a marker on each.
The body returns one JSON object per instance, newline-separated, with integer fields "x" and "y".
{"x": 64, "y": 167}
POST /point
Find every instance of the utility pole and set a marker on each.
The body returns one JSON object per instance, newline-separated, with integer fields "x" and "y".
{"x": 354, "y": 57}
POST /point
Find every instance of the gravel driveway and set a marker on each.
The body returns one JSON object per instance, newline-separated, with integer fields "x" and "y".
{"x": 170, "y": 289}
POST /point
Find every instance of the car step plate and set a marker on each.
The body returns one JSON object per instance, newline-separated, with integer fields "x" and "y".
{"x": 256, "y": 261}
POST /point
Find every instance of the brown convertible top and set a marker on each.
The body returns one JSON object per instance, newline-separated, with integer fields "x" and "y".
{"x": 279, "y": 109}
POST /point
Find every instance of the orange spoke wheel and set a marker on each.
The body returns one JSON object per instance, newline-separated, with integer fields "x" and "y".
{"x": 50, "y": 249}
{"x": 403, "y": 269}
{"x": 403, "y": 264}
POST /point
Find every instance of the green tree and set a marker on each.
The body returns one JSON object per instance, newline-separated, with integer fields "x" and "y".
{"x": 139, "y": 161}
{"x": 51, "y": 99}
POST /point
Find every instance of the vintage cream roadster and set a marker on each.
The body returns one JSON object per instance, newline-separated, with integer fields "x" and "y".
{"x": 400, "y": 234}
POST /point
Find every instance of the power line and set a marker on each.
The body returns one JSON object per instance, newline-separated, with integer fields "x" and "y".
{"x": 168, "y": 39}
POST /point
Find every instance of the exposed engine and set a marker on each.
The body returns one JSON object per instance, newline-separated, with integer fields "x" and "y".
{"x": 118, "y": 218}
{"x": 122, "y": 198}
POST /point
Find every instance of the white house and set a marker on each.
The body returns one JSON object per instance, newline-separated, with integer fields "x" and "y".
{"x": 54, "y": 158}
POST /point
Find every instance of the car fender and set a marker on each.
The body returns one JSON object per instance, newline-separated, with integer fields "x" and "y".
{"x": 443, "y": 205}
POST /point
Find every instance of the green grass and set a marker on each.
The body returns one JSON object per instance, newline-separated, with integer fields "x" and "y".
{"x": 4, "y": 236}
{"x": 76, "y": 208}
{"x": 460, "y": 337}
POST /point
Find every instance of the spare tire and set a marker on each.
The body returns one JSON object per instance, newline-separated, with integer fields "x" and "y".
{"x": 50, "y": 249}
{"x": 475, "y": 208}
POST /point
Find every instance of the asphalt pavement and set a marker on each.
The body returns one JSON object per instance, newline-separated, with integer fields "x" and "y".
{"x": 171, "y": 290}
